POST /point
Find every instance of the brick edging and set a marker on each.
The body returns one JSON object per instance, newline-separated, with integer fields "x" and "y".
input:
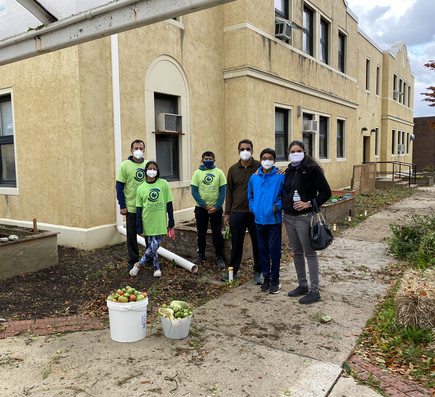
{"x": 391, "y": 385}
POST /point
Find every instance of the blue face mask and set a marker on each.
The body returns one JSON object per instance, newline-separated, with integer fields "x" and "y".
{"x": 208, "y": 163}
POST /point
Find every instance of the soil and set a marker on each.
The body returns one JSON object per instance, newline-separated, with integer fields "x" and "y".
{"x": 82, "y": 280}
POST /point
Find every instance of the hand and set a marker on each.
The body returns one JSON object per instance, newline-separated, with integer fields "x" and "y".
{"x": 280, "y": 171}
{"x": 171, "y": 233}
{"x": 123, "y": 211}
{"x": 208, "y": 208}
{"x": 301, "y": 205}
{"x": 213, "y": 210}
{"x": 226, "y": 220}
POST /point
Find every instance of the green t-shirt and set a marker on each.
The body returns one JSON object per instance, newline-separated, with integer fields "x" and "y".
{"x": 208, "y": 183}
{"x": 132, "y": 174}
{"x": 153, "y": 197}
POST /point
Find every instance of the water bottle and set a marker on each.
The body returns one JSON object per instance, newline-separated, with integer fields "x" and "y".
{"x": 296, "y": 196}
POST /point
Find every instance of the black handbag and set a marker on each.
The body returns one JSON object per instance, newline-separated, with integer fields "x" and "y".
{"x": 320, "y": 234}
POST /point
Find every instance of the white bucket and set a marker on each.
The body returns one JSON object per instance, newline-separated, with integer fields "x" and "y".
{"x": 176, "y": 329}
{"x": 128, "y": 321}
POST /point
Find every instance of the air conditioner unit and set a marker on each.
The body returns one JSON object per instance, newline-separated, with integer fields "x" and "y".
{"x": 167, "y": 122}
{"x": 310, "y": 126}
{"x": 283, "y": 29}
{"x": 395, "y": 95}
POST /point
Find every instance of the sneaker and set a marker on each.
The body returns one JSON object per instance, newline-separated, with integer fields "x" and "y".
{"x": 220, "y": 262}
{"x": 157, "y": 273}
{"x": 266, "y": 284}
{"x": 298, "y": 291}
{"x": 200, "y": 258}
{"x": 275, "y": 286}
{"x": 258, "y": 278}
{"x": 226, "y": 277}
{"x": 311, "y": 297}
{"x": 135, "y": 270}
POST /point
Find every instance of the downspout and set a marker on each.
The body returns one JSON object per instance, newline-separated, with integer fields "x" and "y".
{"x": 118, "y": 157}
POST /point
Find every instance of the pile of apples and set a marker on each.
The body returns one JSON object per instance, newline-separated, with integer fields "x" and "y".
{"x": 176, "y": 310}
{"x": 127, "y": 294}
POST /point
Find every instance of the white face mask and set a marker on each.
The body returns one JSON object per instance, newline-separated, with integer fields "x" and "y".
{"x": 267, "y": 164}
{"x": 152, "y": 173}
{"x": 245, "y": 155}
{"x": 138, "y": 154}
{"x": 296, "y": 157}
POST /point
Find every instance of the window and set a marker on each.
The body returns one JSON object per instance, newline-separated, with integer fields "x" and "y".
{"x": 167, "y": 144}
{"x": 8, "y": 176}
{"x": 323, "y": 137}
{"x": 409, "y": 96}
{"x": 393, "y": 142}
{"x": 403, "y": 143}
{"x": 307, "y": 137}
{"x": 378, "y": 80}
{"x": 400, "y": 91}
{"x": 399, "y": 141}
{"x": 341, "y": 51}
{"x": 281, "y": 134}
{"x": 404, "y": 93}
{"x": 340, "y": 138}
{"x": 324, "y": 40}
{"x": 368, "y": 74}
{"x": 407, "y": 142}
{"x": 281, "y": 8}
{"x": 308, "y": 31}
{"x": 376, "y": 141}
{"x": 395, "y": 92}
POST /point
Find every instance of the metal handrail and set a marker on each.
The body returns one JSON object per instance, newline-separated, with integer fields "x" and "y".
{"x": 411, "y": 174}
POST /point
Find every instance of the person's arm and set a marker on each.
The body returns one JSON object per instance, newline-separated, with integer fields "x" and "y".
{"x": 228, "y": 194}
{"x": 323, "y": 189}
{"x": 120, "y": 194}
{"x": 139, "y": 225}
{"x": 250, "y": 194}
{"x": 170, "y": 211}
{"x": 195, "y": 193}
{"x": 221, "y": 197}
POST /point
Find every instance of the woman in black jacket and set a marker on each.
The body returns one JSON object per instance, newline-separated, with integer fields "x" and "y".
{"x": 306, "y": 177}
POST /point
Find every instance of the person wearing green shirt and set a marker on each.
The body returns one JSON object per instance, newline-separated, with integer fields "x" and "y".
{"x": 208, "y": 188}
{"x": 131, "y": 174}
{"x": 153, "y": 207}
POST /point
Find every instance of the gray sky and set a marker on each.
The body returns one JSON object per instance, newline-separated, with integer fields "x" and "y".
{"x": 411, "y": 21}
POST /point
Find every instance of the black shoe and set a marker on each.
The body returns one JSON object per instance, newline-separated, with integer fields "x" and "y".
{"x": 275, "y": 286}
{"x": 130, "y": 266}
{"x": 298, "y": 291}
{"x": 200, "y": 258}
{"x": 266, "y": 284}
{"x": 220, "y": 262}
{"x": 311, "y": 297}
{"x": 226, "y": 277}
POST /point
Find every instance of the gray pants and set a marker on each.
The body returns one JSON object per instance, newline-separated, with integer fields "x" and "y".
{"x": 298, "y": 234}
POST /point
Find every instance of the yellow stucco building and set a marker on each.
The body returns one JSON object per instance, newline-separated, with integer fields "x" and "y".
{"x": 270, "y": 71}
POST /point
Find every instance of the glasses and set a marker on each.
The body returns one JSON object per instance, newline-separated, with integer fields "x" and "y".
{"x": 245, "y": 148}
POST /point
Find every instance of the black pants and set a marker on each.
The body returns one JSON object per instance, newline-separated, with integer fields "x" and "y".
{"x": 133, "y": 248}
{"x": 239, "y": 222}
{"x": 202, "y": 216}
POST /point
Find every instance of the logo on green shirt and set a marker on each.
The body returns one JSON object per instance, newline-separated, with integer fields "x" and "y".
{"x": 208, "y": 179}
{"x": 153, "y": 195}
{"x": 140, "y": 175}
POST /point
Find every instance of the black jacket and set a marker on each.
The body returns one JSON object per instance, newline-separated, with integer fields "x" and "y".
{"x": 310, "y": 184}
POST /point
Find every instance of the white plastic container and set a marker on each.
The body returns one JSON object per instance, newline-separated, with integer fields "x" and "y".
{"x": 176, "y": 329}
{"x": 128, "y": 321}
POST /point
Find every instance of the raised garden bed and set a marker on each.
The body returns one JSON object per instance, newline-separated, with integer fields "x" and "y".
{"x": 334, "y": 210}
{"x": 31, "y": 252}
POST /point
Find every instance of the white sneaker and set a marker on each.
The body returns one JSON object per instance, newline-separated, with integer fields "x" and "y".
{"x": 135, "y": 270}
{"x": 157, "y": 273}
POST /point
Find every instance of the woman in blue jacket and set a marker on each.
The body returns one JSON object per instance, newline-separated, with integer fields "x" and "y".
{"x": 264, "y": 195}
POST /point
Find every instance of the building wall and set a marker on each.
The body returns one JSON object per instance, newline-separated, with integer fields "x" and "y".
{"x": 229, "y": 73}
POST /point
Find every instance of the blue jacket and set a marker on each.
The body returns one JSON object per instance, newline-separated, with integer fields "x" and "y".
{"x": 264, "y": 195}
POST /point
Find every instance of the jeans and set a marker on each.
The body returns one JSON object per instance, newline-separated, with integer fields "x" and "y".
{"x": 153, "y": 244}
{"x": 239, "y": 221}
{"x": 202, "y": 216}
{"x": 269, "y": 244}
{"x": 133, "y": 248}
{"x": 298, "y": 234}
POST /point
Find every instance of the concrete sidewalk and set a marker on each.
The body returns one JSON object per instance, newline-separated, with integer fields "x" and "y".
{"x": 243, "y": 343}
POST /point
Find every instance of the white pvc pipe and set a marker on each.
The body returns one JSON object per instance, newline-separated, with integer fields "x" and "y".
{"x": 185, "y": 264}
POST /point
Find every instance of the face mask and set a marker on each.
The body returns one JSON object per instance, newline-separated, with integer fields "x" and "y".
{"x": 267, "y": 164}
{"x": 296, "y": 157}
{"x": 152, "y": 173}
{"x": 138, "y": 154}
{"x": 245, "y": 155}
{"x": 208, "y": 163}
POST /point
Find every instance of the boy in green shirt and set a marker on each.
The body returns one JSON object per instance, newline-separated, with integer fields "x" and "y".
{"x": 208, "y": 188}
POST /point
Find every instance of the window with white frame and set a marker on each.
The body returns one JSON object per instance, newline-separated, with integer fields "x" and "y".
{"x": 368, "y": 74}
{"x": 402, "y": 149}
{"x": 281, "y": 133}
{"x": 308, "y": 31}
{"x": 340, "y": 138}
{"x": 376, "y": 142}
{"x": 395, "y": 92}
{"x": 378, "y": 80}
{"x": 282, "y": 9}
{"x": 323, "y": 137}
{"x": 407, "y": 142}
{"x": 409, "y": 96}
{"x": 393, "y": 142}
{"x": 8, "y": 177}
{"x": 341, "y": 52}
{"x": 399, "y": 141}
{"x": 307, "y": 134}
{"x": 324, "y": 41}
